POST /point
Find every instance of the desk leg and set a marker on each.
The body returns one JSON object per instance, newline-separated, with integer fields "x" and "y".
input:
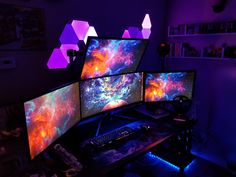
{"x": 181, "y": 172}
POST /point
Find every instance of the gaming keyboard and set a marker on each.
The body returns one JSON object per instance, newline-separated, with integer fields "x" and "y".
{"x": 115, "y": 135}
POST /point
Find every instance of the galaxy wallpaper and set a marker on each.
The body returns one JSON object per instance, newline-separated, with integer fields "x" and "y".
{"x": 51, "y": 115}
{"x": 106, "y": 57}
{"x": 106, "y": 93}
{"x": 165, "y": 86}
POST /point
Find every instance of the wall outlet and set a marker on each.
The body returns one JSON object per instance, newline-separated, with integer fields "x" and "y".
{"x": 7, "y": 63}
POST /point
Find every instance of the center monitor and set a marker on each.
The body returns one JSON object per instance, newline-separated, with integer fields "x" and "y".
{"x": 167, "y": 85}
{"x": 111, "y": 56}
{"x": 106, "y": 93}
{"x": 49, "y": 116}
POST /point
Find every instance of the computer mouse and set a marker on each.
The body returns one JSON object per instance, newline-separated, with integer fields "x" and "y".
{"x": 145, "y": 127}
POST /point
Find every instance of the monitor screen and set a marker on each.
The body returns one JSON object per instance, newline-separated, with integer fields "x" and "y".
{"x": 50, "y": 116}
{"x": 109, "y": 56}
{"x": 166, "y": 86}
{"x": 106, "y": 93}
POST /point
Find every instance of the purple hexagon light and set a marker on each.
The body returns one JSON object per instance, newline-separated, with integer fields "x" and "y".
{"x": 65, "y": 47}
{"x": 146, "y": 22}
{"x": 79, "y": 31}
{"x": 134, "y": 32}
{"x": 57, "y": 60}
{"x": 69, "y": 39}
{"x": 146, "y": 33}
{"x": 81, "y": 28}
{"x": 68, "y": 35}
{"x": 91, "y": 32}
{"x": 126, "y": 34}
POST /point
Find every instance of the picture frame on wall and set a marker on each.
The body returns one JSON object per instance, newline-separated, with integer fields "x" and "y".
{"x": 22, "y": 28}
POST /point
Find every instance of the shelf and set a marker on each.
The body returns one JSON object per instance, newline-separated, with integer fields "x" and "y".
{"x": 204, "y": 58}
{"x": 203, "y": 35}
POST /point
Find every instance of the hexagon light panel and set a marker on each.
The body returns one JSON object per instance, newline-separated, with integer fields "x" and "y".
{"x": 146, "y": 22}
{"x": 65, "y": 47}
{"x": 57, "y": 60}
{"x": 146, "y": 33}
{"x": 81, "y": 28}
{"x": 91, "y": 32}
{"x": 79, "y": 31}
{"x": 126, "y": 34}
{"x": 135, "y": 32}
{"x": 68, "y": 35}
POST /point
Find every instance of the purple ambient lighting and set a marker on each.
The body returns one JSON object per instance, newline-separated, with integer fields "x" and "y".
{"x": 126, "y": 34}
{"x": 57, "y": 60}
{"x": 80, "y": 28}
{"x": 68, "y": 35}
{"x": 65, "y": 47}
{"x": 146, "y": 22}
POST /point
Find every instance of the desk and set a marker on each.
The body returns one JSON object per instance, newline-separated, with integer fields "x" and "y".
{"x": 98, "y": 162}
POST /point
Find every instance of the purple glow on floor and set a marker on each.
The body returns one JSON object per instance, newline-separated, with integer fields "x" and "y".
{"x": 80, "y": 28}
{"x": 68, "y": 35}
{"x": 57, "y": 60}
{"x": 65, "y": 47}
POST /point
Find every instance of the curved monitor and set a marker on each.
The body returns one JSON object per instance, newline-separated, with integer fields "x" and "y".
{"x": 111, "y": 56}
{"x": 49, "y": 116}
{"x": 166, "y": 86}
{"x": 106, "y": 93}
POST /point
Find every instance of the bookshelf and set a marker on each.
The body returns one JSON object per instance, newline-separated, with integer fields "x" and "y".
{"x": 214, "y": 40}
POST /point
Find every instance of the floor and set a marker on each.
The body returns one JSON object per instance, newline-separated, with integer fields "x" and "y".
{"x": 149, "y": 165}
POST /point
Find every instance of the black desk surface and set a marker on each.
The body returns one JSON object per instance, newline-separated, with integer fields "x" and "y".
{"x": 100, "y": 161}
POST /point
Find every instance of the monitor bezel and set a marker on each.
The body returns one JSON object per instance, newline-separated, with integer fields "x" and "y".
{"x": 111, "y": 38}
{"x": 26, "y": 137}
{"x": 114, "y": 109}
{"x": 168, "y": 71}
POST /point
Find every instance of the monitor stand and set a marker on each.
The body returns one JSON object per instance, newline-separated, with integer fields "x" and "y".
{"x": 154, "y": 110}
{"x": 113, "y": 116}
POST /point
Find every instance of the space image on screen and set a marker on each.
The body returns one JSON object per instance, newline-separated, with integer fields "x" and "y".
{"x": 106, "y": 93}
{"x": 108, "y": 56}
{"x": 49, "y": 116}
{"x": 166, "y": 86}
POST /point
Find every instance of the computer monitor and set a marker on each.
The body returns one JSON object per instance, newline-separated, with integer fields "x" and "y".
{"x": 165, "y": 86}
{"x": 106, "y": 93}
{"x": 49, "y": 116}
{"x": 111, "y": 56}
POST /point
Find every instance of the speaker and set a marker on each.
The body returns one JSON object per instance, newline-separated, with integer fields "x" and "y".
{"x": 163, "y": 49}
{"x": 181, "y": 104}
{"x": 219, "y": 6}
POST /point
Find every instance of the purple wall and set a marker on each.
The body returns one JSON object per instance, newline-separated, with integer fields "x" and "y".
{"x": 110, "y": 18}
{"x": 215, "y": 87}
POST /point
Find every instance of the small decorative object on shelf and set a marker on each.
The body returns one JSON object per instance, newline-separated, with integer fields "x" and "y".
{"x": 230, "y": 52}
{"x": 213, "y": 52}
{"x": 183, "y": 50}
{"x": 177, "y": 30}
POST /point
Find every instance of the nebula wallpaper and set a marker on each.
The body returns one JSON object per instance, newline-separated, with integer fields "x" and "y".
{"x": 106, "y": 57}
{"x": 165, "y": 86}
{"x": 51, "y": 115}
{"x": 105, "y": 93}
